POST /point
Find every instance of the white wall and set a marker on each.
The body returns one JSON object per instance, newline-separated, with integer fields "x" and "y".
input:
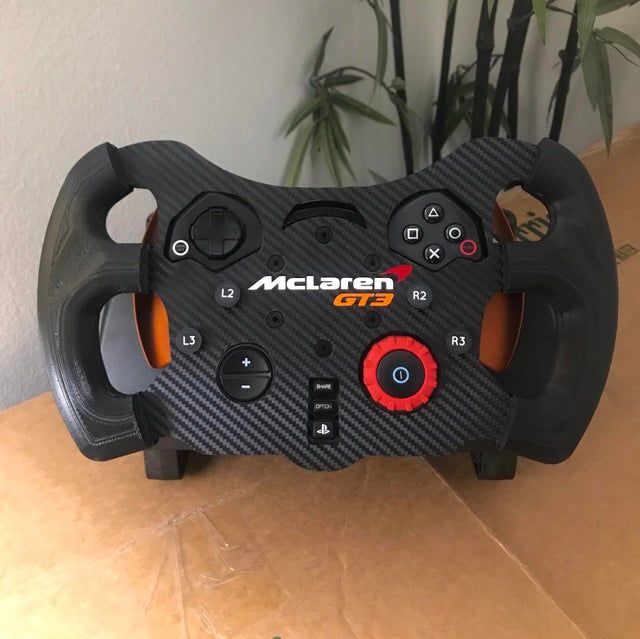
{"x": 219, "y": 76}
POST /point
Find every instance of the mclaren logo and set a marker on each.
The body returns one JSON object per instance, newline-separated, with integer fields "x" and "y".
{"x": 360, "y": 291}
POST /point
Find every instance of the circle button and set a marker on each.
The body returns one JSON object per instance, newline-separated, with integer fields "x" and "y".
{"x": 180, "y": 248}
{"x": 454, "y": 233}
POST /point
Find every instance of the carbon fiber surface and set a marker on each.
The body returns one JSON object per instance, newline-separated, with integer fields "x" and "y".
{"x": 185, "y": 400}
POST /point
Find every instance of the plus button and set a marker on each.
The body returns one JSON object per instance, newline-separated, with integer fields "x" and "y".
{"x": 246, "y": 362}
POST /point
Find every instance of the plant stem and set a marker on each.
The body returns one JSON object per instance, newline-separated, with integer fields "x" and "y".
{"x": 510, "y": 67}
{"x": 484, "y": 46}
{"x": 437, "y": 132}
{"x": 568, "y": 58}
{"x": 398, "y": 58}
{"x": 512, "y": 104}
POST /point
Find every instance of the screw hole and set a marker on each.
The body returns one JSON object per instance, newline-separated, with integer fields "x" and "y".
{"x": 372, "y": 319}
{"x": 275, "y": 319}
{"x": 323, "y": 348}
{"x": 275, "y": 263}
{"x": 324, "y": 234}
{"x": 372, "y": 262}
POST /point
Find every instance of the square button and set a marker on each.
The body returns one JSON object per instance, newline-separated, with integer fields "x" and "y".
{"x": 412, "y": 234}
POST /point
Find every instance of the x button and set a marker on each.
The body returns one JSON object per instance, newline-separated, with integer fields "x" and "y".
{"x": 434, "y": 253}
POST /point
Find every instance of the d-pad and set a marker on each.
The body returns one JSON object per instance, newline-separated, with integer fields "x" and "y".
{"x": 216, "y": 232}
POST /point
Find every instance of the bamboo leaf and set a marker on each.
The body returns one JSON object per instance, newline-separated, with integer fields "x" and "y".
{"x": 451, "y": 5}
{"x": 383, "y": 44}
{"x": 605, "y": 99}
{"x": 336, "y": 142}
{"x": 347, "y": 103}
{"x": 329, "y": 154}
{"x": 341, "y": 79}
{"x": 606, "y": 6}
{"x": 613, "y": 36}
{"x": 592, "y": 73}
{"x": 586, "y": 19}
{"x": 490, "y": 5}
{"x": 304, "y": 111}
{"x": 378, "y": 179}
{"x": 410, "y": 120}
{"x": 297, "y": 155}
{"x": 315, "y": 137}
{"x": 342, "y": 136}
{"x": 540, "y": 11}
{"x": 460, "y": 90}
{"x": 320, "y": 57}
{"x": 454, "y": 119}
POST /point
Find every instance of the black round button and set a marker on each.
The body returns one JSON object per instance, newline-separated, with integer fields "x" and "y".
{"x": 454, "y": 233}
{"x": 245, "y": 373}
{"x": 400, "y": 374}
{"x": 434, "y": 254}
{"x": 459, "y": 342}
{"x": 420, "y": 296}
{"x": 245, "y": 388}
{"x": 433, "y": 213}
{"x": 227, "y": 294}
{"x": 216, "y": 232}
{"x": 244, "y": 360}
{"x": 189, "y": 340}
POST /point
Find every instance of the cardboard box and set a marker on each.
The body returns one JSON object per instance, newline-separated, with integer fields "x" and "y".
{"x": 259, "y": 548}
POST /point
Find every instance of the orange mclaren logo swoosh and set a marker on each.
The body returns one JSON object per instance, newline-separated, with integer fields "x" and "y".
{"x": 402, "y": 271}
{"x": 375, "y": 299}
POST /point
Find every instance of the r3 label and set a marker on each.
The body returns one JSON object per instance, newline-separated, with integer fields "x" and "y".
{"x": 459, "y": 342}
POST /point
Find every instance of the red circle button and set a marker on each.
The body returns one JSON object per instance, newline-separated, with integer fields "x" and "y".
{"x": 468, "y": 248}
{"x": 399, "y": 373}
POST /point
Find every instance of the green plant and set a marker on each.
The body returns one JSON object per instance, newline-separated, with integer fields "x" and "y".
{"x": 467, "y": 96}
{"x": 318, "y": 119}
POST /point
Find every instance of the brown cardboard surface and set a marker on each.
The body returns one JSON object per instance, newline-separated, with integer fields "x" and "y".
{"x": 258, "y": 548}
{"x": 246, "y": 547}
{"x": 576, "y": 526}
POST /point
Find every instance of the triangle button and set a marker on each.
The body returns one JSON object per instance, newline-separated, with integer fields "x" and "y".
{"x": 433, "y": 213}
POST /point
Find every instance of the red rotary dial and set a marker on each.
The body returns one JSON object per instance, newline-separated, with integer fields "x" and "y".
{"x": 399, "y": 373}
